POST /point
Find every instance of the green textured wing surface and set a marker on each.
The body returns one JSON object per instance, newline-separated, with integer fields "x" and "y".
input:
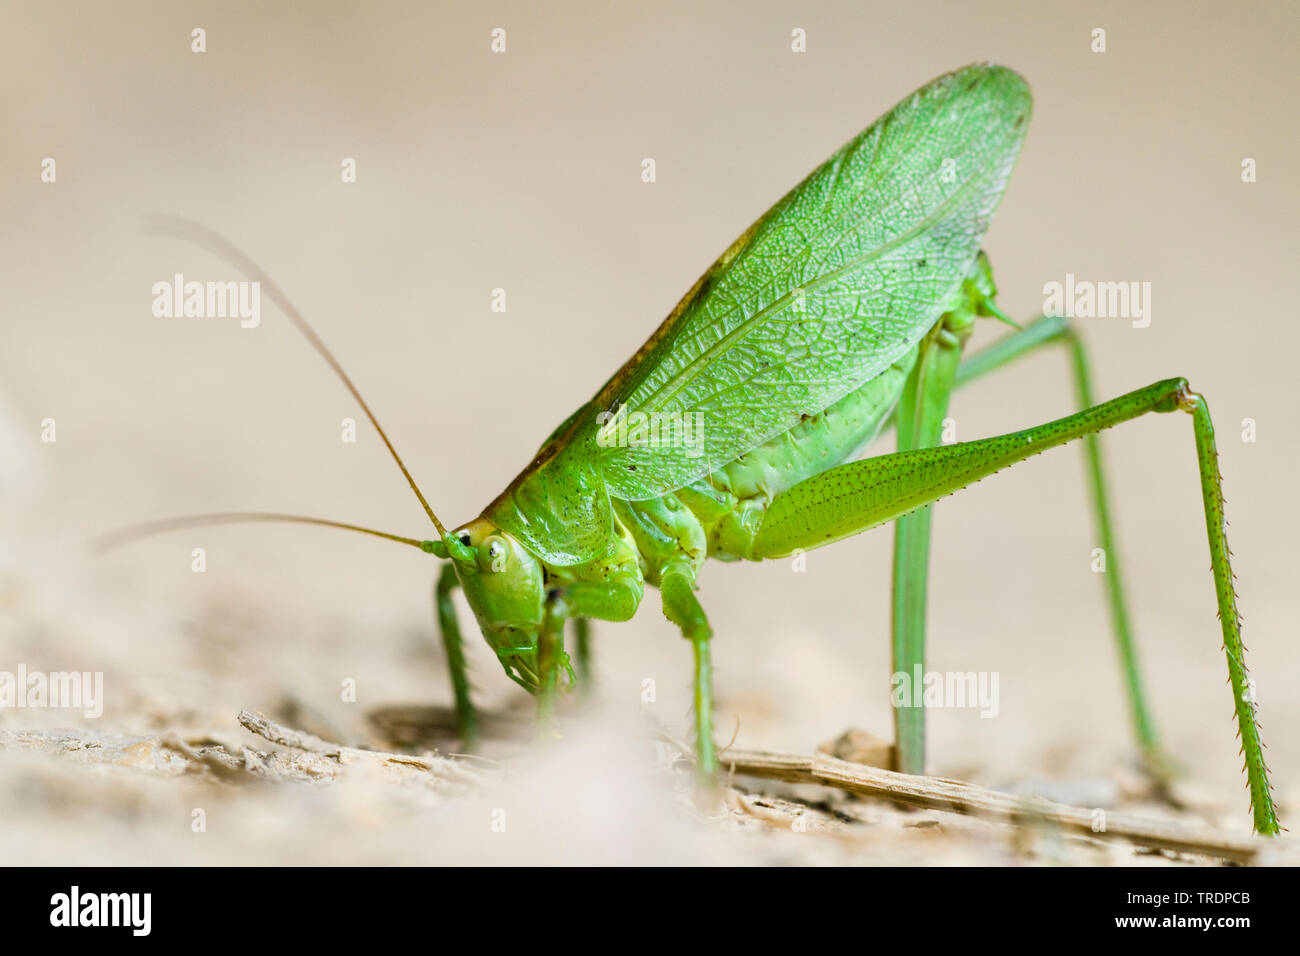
{"x": 837, "y": 281}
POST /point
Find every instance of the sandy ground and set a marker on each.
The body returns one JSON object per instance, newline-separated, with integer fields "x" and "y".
{"x": 522, "y": 172}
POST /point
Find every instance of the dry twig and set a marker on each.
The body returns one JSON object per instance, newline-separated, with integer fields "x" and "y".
{"x": 959, "y": 797}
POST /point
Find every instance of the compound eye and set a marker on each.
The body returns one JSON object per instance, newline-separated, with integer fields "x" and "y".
{"x": 493, "y": 553}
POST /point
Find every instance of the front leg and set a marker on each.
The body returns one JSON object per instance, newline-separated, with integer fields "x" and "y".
{"x": 449, "y": 628}
{"x": 550, "y": 658}
{"x": 615, "y": 598}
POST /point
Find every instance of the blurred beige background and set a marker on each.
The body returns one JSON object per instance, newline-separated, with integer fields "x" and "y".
{"x": 522, "y": 171}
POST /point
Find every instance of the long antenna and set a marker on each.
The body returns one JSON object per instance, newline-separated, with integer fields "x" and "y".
{"x": 113, "y": 539}
{"x": 217, "y": 244}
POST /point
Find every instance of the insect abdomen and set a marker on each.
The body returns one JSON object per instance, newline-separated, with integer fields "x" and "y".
{"x": 817, "y": 442}
{"x": 719, "y": 515}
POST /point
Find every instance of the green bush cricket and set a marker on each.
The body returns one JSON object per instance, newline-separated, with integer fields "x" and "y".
{"x": 731, "y": 433}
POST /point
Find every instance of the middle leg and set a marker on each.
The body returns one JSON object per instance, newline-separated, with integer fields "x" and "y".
{"x": 677, "y": 588}
{"x": 921, "y": 411}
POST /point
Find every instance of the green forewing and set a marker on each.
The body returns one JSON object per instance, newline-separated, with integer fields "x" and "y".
{"x": 837, "y": 281}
